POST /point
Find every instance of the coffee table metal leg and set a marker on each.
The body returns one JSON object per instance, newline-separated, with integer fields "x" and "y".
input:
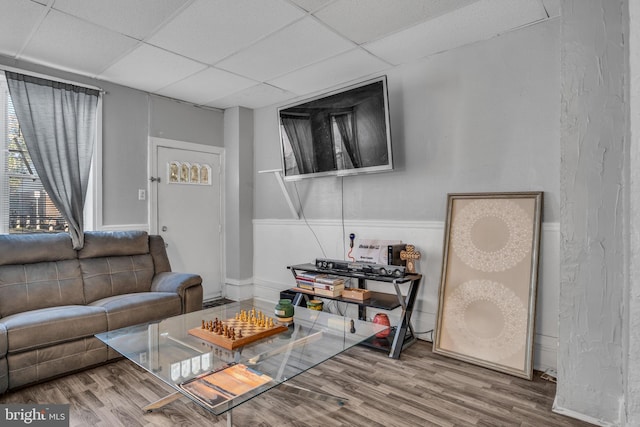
{"x": 172, "y": 398}
{"x": 162, "y": 402}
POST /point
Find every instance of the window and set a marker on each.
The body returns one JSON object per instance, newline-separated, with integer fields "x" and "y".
{"x": 25, "y": 206}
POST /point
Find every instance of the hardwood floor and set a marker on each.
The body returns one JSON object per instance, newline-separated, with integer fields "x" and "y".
{"x": 419, "y": 389}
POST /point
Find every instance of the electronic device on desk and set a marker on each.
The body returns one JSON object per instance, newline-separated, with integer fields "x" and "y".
{"x": 361, "y": 267}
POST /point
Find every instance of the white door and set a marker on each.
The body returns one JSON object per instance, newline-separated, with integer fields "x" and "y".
{"x": 188, "y": 200}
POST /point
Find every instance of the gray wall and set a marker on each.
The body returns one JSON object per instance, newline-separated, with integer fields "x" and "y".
{"x": 594, "y": 220}
{"x": 129, "y": 118}
{"x": 633, "y": 346}
{"x": 484, "y": 117}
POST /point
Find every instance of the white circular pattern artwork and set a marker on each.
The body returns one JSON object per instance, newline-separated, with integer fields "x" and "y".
{"x": 483, "y": 301}
{"x": 514, "y": 224}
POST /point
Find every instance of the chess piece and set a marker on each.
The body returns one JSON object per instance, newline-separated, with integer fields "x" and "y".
{"x": 410, "y": 255}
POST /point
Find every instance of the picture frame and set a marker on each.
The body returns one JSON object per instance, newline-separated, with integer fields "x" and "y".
{"x": 488, "y": 287}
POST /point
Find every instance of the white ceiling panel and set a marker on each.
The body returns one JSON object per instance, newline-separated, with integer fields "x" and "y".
{"x": 207, "y": 85}
{"x": 149, "y": 68}
{"x": 303, "y": 43}
{"x": 311, "y": 5}
{"x": 15, "y": 27}
{"x": 253, "y": 53}
{"x": 340, "y": 69}
{"x": 210, "y": 30}
{"x": 71, "y": 44}
{"x": 367, "y": 20}
{"x": 135, "y": 18}
{"x": 254, "y": 97}
{"x": 479, "y": 21}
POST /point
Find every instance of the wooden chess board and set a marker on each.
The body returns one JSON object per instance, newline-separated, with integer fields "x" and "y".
{"x": 251, "y": 332}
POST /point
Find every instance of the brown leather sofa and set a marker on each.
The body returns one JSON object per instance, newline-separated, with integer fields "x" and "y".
{"x": 53, "y": 299}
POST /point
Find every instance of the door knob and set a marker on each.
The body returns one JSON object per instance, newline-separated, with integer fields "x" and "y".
{"x": 164, "y": 228}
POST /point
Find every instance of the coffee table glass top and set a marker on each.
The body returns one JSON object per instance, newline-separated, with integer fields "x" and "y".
{"x": 218, "y": 378}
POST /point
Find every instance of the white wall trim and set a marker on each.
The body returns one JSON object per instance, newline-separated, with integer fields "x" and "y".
{"x": 125, "y": 227}
{"x": 352, "y": 223}
{"x": 238, "y": 290}
{"x": 579, "y": 416}
{"x": 236, "y": 282}
{"x": 428, "y": 225}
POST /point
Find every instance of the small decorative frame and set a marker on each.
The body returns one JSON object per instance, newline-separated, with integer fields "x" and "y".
{"x": 486, "y": 310}
{"x": 188, "y": 173}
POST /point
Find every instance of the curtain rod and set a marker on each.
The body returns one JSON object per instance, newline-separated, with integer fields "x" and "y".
{"x": 44, "y": 76}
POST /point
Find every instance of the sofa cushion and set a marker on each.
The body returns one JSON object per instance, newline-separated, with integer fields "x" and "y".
{"x": 30, "y": 248}
{"x": 4, "y": 344}
{"x": 114, "y": 243}
{"x": 4, "y": 375}
{"x": 28, "y": 367}
{"x": 54, "y": 325}
{"x": 109, "y": 276}
{"x": 133, "y": 309}
{"x": 40, "y": 285}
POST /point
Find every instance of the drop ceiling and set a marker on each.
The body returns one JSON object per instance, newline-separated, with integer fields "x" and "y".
{"x": 251, "y": 53}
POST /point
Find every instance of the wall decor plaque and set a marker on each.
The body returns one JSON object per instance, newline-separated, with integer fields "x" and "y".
{"x": 486, "y": 307}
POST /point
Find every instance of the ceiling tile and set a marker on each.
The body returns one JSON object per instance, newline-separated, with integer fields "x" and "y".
{"x": 135, "y": 18}
{"x": 71, "y": 44}
{"x": 149, "y": 68}
{"x": 479, "y": 21}
{"x": 367, "y": 20}
{"x": 16, "y": 23}
{"x": 343, "y": 68}
{"x": 296, "y": 46}
{"x": 254, "y": 97}
{"x": 207, "y": 85}
{"x": 210, "y": 30}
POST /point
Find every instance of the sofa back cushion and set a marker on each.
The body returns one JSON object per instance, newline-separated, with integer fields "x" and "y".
{"x": 108, "y": 276}
{"x": 32, "y": 248}
{"x": 26, "y": 287}
{"x": 115, "y": 263}
{"x": 114, "y": 243}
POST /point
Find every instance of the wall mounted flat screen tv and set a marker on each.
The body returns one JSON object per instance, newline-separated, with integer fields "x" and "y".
{"x": 344, "y": 132}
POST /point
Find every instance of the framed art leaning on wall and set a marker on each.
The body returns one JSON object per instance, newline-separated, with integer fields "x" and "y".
{"x": 487, "y": 297}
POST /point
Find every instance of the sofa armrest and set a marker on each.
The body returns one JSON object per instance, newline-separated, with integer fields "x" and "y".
{"x": 187, "y": 286}
{"x": 4, "y": 344}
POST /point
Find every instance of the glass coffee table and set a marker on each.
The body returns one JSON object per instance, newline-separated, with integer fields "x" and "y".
{"x": 223, "y": 371}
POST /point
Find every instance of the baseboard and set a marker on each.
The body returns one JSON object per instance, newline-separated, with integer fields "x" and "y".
{"x": 238, "y": 290}
{"x": 579, "y": 416}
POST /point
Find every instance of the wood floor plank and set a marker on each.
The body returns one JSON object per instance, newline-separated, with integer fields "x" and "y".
{"x": 420, "y": 389}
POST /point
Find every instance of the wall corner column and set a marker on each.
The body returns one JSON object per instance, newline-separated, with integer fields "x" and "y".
{"x": 239, "y": 180}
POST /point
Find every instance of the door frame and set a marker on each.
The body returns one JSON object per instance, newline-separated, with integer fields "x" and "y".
{"x": 152, "y": 193}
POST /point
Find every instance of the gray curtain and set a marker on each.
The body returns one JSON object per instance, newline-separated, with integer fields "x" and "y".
{"x": 58, "y": 122}
{"x": 345, "y": 126}
{"x": 298, "y": 129}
